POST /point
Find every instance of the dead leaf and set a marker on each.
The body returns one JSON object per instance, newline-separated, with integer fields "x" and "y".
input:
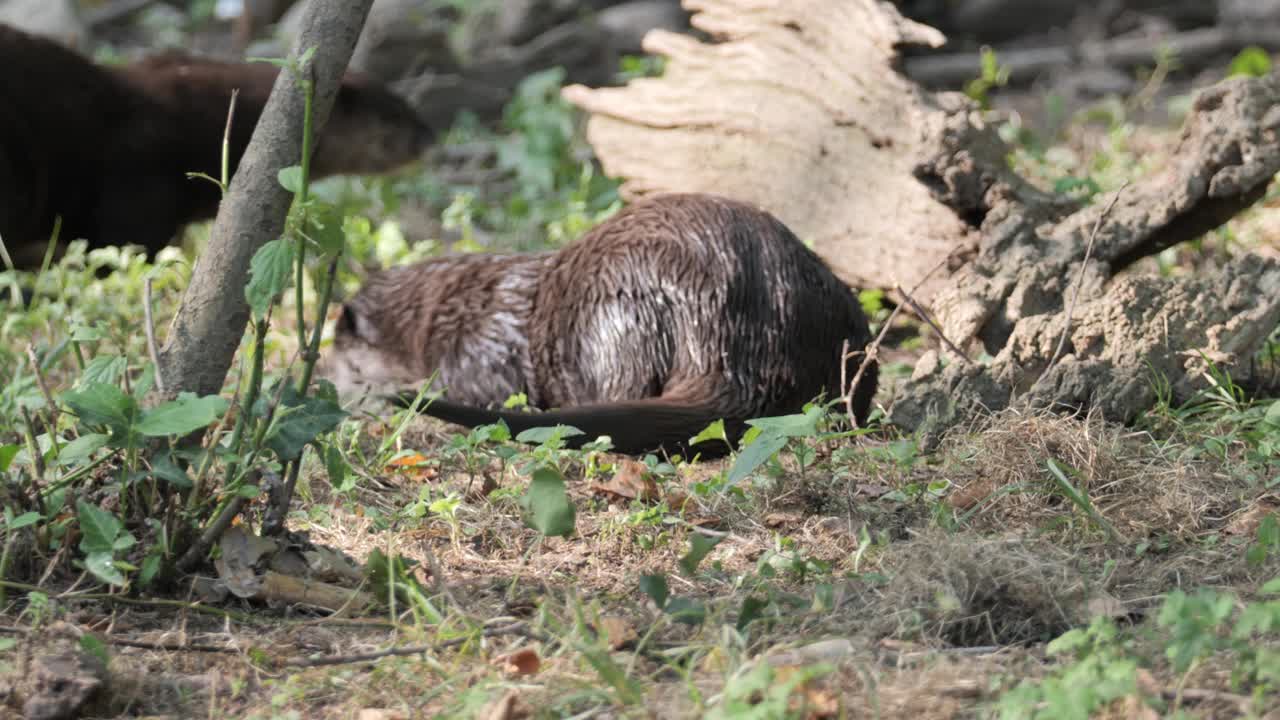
{"x": 414, "y": 466}
{"x": 676, "y": 500}
{"x": 812, "y": 697}
{"x": 1104, "y": 605}
{"x": 872, "y": 490}
{"x": 631, "y": 480}
{"x": 507, "y": 707}
{"x": 1147, "y": 683}
{"x": 781, "y": 519}
{"x": 1133, "y": 708}
{"x": 618, "y": 631}
{"x": 970, "y": 494}
{"x": 1246, "y": 523}
{"x": 524, "y": 661}
{"x": 481, "y": 490}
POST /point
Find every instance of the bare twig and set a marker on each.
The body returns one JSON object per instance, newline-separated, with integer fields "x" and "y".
{"x": 150, "y": 327}
{"x": 171, "y": 647}
{"x": 1075, "y": 293}
{"x": 44, "y": 386}
{"x": 200, "y": 547}
{"x": 920, "y": 313}
{"x": 517, "y": 628}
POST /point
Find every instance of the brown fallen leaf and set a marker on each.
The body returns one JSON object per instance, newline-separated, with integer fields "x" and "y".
{"x": 524, "y": 661}
{"x": 781, "y": 519}
{"x": 872, "y": 490}
{"x": 619, "y": 631}
{"x": 676, "y": 500}
{"x": 507, "y": 707}
{"x": 970, "y": 494}
{"x": 1246, "y": 523}
{"x": 413, "y": 466}
{"x": 632, "y": 480}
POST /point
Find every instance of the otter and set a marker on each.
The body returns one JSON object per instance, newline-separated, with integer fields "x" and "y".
{"x": 678, "y": 311}
{"x": 109, "y": 148}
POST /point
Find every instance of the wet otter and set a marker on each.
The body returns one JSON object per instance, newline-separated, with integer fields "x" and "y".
{"x": 109, "y": 149}
{"x": 678, "y": 311}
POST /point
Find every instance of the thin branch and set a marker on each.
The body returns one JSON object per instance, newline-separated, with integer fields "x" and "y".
{"x": 920, "y": 312}
{"x": 518, "y": 628}
{"x": 1075, "y": 293}
{"x": 150, "y": 327}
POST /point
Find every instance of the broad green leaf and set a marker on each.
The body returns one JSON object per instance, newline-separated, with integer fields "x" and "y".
{"x": 300, "y": 421}
{"x": 95, "y": 647}
{"x": 755, "y": 455}
{"x": 150, "y": 566}
{"x": 1272, "y": 587}
{"x": 687, "y": 611}
{"x": 799, "y": 425}
{"x": 248, "y": 491}
{"x": 23, "y": 520}
{"x": 7, "y": 644}
{"x": 545, "y": 435}
{"x": 99, "y": 528}
{"x": 83, "y": 333}
{"x": 752, "y": 609}
{"x": 326, "y": 229}
{"x": 546, "y": 504}
{"x": 145, "y": 381}
{"x": 1273, "y": 414}
{"x": 714, "y": 431}
{"x": 100, "y": 564}
{"x": 125, "y": 541}
{"x": 7, "y": 453}
{"x": 699, "y": 546}
{"x": 336, "y": 467}
{"x": 655, "y": 586}
{"x": 106, "y": 369}
{"x": 103, "y": 404}
{"x": 166, "y": 469}
{"x": 82, "y": 448}
{"x": 290, "y": 178}
{"x": 269, "y": 275}
{"x": 1252, "y": 61}
{"x": 186, "y": 414}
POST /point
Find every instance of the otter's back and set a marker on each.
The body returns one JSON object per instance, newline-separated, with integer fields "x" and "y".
{"x": 689, "y": 295}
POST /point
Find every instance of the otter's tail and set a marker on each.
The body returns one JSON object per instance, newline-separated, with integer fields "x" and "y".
{"x": 636, "y": 427}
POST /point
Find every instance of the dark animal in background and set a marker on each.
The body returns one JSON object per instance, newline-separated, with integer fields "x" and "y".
{"x": 678, "y": 311}
{"x": 109, "y": 148}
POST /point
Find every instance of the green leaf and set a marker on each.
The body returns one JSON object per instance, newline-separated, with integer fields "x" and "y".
{"x": 80, "y": 449}
{"x": 248, "y": 491}
{"x": 150, "y": 566}
{"x": 7, "y": 644}
{"x": 166, "y": 469}
{"x": 106, "y": 369}
{"x": 752, "y": 609}
{"x": 186, "y": 414}
{"x": 1252, "y": 61}
{"x": 336, "y": 467}
{"x": 800, "y": 425}
{"x": 300, "y": 421}
{"x": 269, "y": 275}
{"x": 326, "y": 230}
{"x": 687, "y": 611}
{"x": 547, "y": 435}
{"x": 546, "y": 504}
{"x": 100, "y": 564}
{"x": 7, "y": 453}
{"x": 714, "y": 431}
{"x": 99, "y": 528}
{"x": 290, "y": 178}
{"x": 23, "y": 520}
{"x": 755, "y": 455}
{"x": 1273, "y": 414}
{"x": 699, "y": 546}
{"x": 102, "y": 404}
{"x": 95, "y": 647}
{"x": 655, "y": 586}
{"x": 1272, "y": 587}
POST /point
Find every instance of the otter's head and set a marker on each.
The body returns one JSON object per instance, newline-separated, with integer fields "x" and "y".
{"x": 370, "y": 130}
{"x": 366, "y": 360}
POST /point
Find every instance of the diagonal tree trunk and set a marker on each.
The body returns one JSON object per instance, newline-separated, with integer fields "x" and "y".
{"x": 211, "y": 321}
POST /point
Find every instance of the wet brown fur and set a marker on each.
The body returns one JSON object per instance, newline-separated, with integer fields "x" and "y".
{"x": 109, "y": 148}
{"x": 676, "y": 312}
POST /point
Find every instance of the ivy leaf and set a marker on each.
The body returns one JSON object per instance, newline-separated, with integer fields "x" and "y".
{"x": 546, "y": 504}
{"x": 301, "y": 420}
{"x": 103, "y": 404}
{"x": 99, "y": 528}
{"x": 101, "y": 565}
{"x": 269, "y": 275}
{"x": 186, "y": 414}
{"x": 699, "y": 546}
